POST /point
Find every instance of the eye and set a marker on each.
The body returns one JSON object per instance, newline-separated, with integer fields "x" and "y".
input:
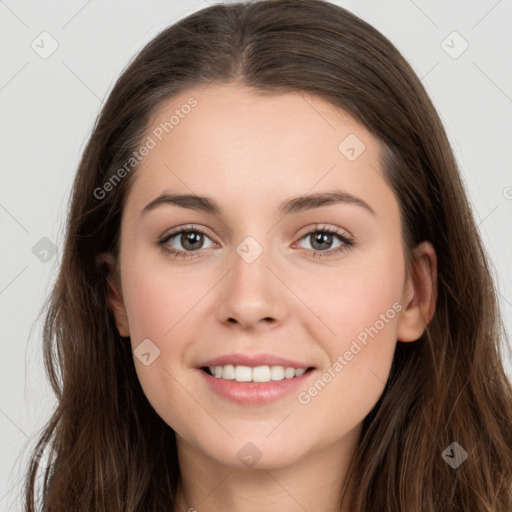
{"x": 323, "y": 237}
{"x": 191, "y": 239}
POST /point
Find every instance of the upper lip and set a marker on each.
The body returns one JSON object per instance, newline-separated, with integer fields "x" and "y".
{"x": 254, "y": 360}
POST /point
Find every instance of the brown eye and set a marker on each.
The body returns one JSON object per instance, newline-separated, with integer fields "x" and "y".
{"x": 184, "y": 242}
{"x": 321, "y": 241}
{"x": 191, "y": 240}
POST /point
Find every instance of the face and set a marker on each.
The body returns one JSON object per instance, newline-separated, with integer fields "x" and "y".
{"x": 267, "y": 280}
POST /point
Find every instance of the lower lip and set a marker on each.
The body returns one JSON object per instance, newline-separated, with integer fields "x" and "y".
{"x": 254, "y": 392}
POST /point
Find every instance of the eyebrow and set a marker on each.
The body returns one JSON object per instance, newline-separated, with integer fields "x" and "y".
{"x": 292, "y": 205}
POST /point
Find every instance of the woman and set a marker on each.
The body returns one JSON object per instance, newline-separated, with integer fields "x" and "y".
{"x": 208, "y": 351}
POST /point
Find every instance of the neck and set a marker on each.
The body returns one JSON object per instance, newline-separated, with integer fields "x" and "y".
{"x": 314, "y": 482}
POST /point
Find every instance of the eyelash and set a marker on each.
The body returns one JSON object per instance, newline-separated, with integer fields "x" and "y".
{"x": 348, "y": 243}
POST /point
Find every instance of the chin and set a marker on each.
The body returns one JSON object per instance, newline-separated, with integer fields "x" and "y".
{"x": 251, "y": 452}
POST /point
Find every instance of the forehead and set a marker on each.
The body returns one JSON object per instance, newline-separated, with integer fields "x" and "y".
{"x": 234, "y": 143}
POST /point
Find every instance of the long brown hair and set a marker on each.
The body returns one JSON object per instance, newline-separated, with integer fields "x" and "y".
{"x": 112, "y": 452}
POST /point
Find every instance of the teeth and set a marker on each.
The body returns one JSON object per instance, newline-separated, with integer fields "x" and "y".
{"x": 256, "y": 374}
{"x": 228, "y": 372}
{"x": 242, "y": 373}
{"x": 277, "y": 373}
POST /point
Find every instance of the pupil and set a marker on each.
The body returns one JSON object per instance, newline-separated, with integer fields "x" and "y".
{"x": 322, "y": 238}
{"x": 191, "y": 238}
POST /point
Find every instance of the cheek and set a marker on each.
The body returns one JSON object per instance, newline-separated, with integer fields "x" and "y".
{"x": 359, "y": 307}
{"x": 355, "y": 297}
{"x": 156, "y": 299}
{"x": 163, "y": 304}
{"x": 159, "y": 308}
{"x": 363, "y": 314}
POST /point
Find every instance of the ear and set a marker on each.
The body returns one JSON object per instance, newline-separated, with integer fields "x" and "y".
{"x": 420, "y": 293}
{"x": 115, "y": 295}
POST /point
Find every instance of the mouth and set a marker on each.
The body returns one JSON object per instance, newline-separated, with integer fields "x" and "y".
{"x": 255, "y": 385}
{"x": 255, "y": 374}
{"x": 255, "y": 379}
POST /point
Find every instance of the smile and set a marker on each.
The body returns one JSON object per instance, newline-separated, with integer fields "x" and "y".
{"x": 255, "y": 386}
{"x": 240, "y": 373}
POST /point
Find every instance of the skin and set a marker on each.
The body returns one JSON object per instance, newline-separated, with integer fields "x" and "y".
{"x": 250, "y": 152}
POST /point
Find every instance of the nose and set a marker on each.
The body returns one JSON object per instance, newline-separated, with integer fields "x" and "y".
{"x": 251, "y": 295}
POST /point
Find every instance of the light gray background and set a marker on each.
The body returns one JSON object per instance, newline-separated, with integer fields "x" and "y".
{"x": 48, "y": 106}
